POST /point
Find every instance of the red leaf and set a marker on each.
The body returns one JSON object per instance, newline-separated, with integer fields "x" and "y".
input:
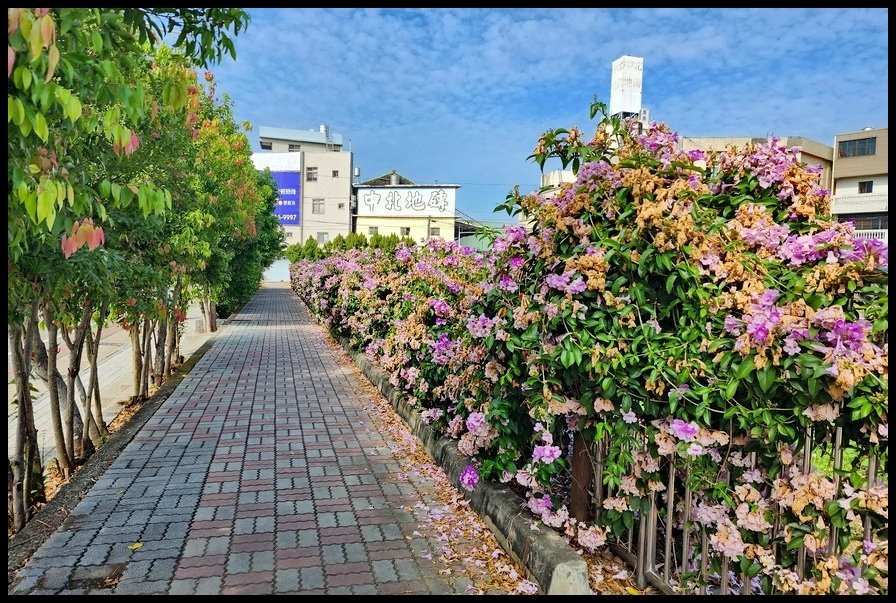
{"x": 68, "y": 247}
{"x": 47, "y": 30}
{"x": 12, "y": 25}
{"x": 53, "y": 60}
{"x": 96, "y": 238}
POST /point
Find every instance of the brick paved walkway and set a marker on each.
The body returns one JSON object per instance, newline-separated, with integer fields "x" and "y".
{"x": 262, "y": 473}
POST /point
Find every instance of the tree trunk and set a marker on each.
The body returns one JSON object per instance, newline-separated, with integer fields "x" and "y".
{"x": 24, "y": 470}
{"x": 209, "y": 311}
{"x": 147, "y": 358}
{"x": 93, "y": 386}
{"x": 39, "y": 359}
{"x": 79, "y": 446}
{"x": 136, "y": 358}
{"x": 158, "y": 373}
{"x": 66, "y": 462}
{"x": 171, "y": 330}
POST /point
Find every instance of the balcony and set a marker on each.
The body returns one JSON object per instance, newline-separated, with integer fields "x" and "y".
{"x": 872, "y": 234}
{"x": 855, "y": 204}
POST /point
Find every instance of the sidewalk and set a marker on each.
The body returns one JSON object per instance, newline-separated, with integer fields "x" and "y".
{"x": 262, "y": 473}
{"x": 115, "y": 375}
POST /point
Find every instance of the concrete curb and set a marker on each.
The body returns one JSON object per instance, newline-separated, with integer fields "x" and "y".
{"x": 547, "y": 556}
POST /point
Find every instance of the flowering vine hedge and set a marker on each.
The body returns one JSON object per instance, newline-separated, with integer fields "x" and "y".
{"x": 703, "y": 313}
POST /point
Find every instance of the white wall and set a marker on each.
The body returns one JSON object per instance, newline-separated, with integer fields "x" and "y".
{"x": 850, "y": 186}
{"x": 334, "y": 190}
{"x": 407, "y": 200}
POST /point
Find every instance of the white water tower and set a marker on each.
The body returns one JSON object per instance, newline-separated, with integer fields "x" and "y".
{"x": 625, "y": 86}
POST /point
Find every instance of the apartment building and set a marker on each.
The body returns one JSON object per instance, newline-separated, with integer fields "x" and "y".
{"x": 860, "y": 181}
{"x": 314, "y": 178}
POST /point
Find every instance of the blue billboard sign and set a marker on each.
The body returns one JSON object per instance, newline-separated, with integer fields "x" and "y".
{"x": 289, "y": 198}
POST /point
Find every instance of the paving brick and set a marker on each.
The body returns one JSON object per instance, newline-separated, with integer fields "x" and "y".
{"x": 262, "y": 472}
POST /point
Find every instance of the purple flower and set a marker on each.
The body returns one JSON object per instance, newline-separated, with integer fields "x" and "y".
{"x": 684, "y": 431}
{"x": 868, "y": 546}
{"x": 753, "y": 476}
{"x": 516, "y": 262}
{"x": 577, "y": 286}
{"x": 733, "y": 325}
{"x": 695, "y": 449}
{"x": 469, "y": 477}
{"x": 480, "y": 326}
{"x": 545, "y": 454}
{"x": 630, "y": 417}
{"x": 431, "y": 414}
{"x": 475, "y": 421}
{"x": 506, "y": 283}
{"x": 443, "y": 350}
{"x": 440, "y": 307}
{"x": 557, "y": 281}
{"x": 540, "y": 505}
{"x": 791, "y": 346}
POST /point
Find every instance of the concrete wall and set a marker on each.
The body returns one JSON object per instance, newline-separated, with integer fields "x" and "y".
{"x": 335, "y": 190}
{"x": 418, "y": 226}
{"x": 866, "y": 165}
{"x": 848, "y": 200}
{"x": 282, "y": 146}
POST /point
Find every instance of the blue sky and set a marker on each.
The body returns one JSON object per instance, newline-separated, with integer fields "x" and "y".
{"x": 461, "y": 95}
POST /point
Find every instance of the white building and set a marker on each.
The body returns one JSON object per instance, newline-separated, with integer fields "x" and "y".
{"x": 392, "y": 204}
{"x": 314, "y": 177}
{"x": 861, "y": 181}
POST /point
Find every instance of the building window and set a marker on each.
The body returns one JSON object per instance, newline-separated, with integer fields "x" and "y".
{"x": 871, "y": 221}
{"x": 866, "y": 186}
{"x": 341, "y": 206}
{"x": 294, "y": 147}
{"x": 311, "y": 174}
{"x": 323, "y": 237}
{"x": 335, "y": 173}
{"x": 287, "y": 234}
{"x": 857, "y": 148}
{"x": 317, "y": 206}
{"x": 435, "y": 231}
{"x": 372, "y": 230}
{"x": 267, "y": 146}
{"x": 405, "y": 231}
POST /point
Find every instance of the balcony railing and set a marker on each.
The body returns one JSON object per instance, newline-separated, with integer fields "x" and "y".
{"x": 869, "y": 202}
{"x": 872, "y": 234}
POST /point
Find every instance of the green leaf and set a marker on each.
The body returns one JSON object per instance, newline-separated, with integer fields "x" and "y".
{"x": 745, "y": 367}
{"x": 766, "y": 376}
{"x": 46, "y": 200}
{"x": 97, "y": 40}
{"x": 670, "y": 282}
{"x": 73, "y": 109}
{"x": 40, "y": 126}
{"x": 731, "y": 389}
{"x": 26, "y": 77}
{"x": 35, "y": 42}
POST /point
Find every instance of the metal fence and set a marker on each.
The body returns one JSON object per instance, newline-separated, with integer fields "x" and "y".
{"x": 671, "y": 552}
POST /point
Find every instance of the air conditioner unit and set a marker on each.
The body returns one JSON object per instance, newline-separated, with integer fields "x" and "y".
{"x": 353, "y": 197}
{"x": 352, "y": 204}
